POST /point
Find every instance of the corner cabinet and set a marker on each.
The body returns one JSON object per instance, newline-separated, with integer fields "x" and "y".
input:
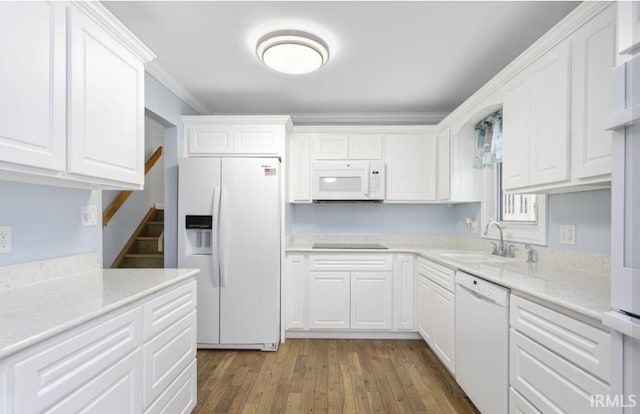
{"x": 73, "y": 114}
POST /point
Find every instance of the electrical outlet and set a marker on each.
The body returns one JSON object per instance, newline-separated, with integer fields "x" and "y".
{"x": 5, "y": 239}
{"x": 568, "y": 234}
{"x": 88, "y": 216}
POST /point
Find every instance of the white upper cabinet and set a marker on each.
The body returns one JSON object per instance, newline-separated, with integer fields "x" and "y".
{"x": 234, "y": 135}
{"x": 536, "y": 122}
{"x": 629, "y": 31}
{"x": 411, "y": 167}
{"x": 33, "y": 84}
{"x": 299, "y": 168}
{"x": 106, "y": 104}
{"x": 549, "y": 140}
{"x": 347, "y": 146}
{"x": 331, "y": 147}
{"x": 594, "y": 57}
{"x": 516, "y": 118}
{"x": 365, "y": 146}
{"x": 72, "y": 102}
{"x": 444, "y": 165}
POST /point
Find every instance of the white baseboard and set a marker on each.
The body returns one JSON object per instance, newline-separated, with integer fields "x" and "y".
{"x": 351, "y": 335}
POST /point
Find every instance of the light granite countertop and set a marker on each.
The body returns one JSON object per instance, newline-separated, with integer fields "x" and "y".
{"x": 586, "y": 292}
{"x": 30, "y": 314}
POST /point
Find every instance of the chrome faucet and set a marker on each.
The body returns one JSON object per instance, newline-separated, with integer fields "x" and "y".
{"x": 502, "y": 250}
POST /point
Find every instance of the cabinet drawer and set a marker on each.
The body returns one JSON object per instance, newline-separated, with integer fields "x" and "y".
{"x": 577, "y": 341}
{"x": 180, "y": 396}
{"x": 113, "y": 391}
{"x": 165, "y": 310}
{"x": 350, "y": 262}
{"x": 58, "y": 367}
{"x": 549, "y": 382}
{"x": 167, "y": 355}
{"x": 519, "y": 405}
{"x": 437, "y": 273}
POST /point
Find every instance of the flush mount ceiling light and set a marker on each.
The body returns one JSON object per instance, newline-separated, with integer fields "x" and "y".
{"x": 293, "y": 52}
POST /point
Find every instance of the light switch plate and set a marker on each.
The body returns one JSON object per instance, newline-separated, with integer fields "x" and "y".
{"x": 568, "y": 234}
{"x": 88, "y": 216}
{"x": 6, "y": 239}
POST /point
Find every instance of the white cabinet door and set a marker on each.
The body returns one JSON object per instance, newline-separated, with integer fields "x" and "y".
{"x": 295, "y": 275}
{"x": 404, "y": 292}
{"x": 257, "y": 139}
{"x": 411, "y": 167}
{"x": 444, "y": 165}
{"x": 548, "y": 381}
{"x": 299, "y": 168}
{"x": 106, "y": 104}
{"x": 594, "y": 57}
{"x": 33, "y": 84}
{"x": 329, "y": 300}
{"x": 515, "y": 132}
{"x": 331, "y": 147}
{"x": 425, "y": 308}
{"x": 365, "y": 146}
{"x": 629, "y": 30}
{"x": 444, "y": 326}
{"x": 371, "y": 299}
{"x": 209, "y": 139}
{"x": 549, "y": 141}
{"x": 179, "y": 397}
{"x": 117, "y": 390}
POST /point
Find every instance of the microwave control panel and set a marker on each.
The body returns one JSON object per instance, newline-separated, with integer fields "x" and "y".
{"x": 376, "y": 180}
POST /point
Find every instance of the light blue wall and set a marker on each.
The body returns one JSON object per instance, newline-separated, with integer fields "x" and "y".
{"x": 373, "y": 218}
{"x": 46, "y": 221}
{"x": 590, "y": 211}
{"x": 167, "y": 108}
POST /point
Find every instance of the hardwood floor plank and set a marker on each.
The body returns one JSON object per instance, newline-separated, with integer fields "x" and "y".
{"x": 329, "y": 376}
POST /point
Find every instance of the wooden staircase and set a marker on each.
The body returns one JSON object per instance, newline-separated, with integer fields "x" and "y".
{"x": 145, "y": 248}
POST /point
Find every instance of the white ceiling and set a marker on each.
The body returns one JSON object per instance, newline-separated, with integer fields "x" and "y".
{"x": 386, "y": 57}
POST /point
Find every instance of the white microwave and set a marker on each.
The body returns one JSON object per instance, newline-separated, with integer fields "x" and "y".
{"x": 348, "y": 180}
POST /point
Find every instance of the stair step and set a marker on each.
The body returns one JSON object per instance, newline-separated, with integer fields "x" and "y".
{"x": 138, "y": 260}
{"x": 159, "y": 216}
{"x": 145, "y": 245}
{"x": 152, "y": 228}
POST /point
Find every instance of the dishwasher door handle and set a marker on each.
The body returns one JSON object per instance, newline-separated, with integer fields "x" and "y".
{"x": 479, "y": 295}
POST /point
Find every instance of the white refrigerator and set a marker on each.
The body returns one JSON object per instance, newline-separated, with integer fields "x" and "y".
{"x": 229, "y": 228}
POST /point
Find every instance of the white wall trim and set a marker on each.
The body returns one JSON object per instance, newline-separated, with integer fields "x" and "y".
{"x": 350, "y": 334}
{"x": 365, "y": 129}
{"x": 109, "y": 22}
{"x": 369, "y": 118}
{"x": 158, "y": 71}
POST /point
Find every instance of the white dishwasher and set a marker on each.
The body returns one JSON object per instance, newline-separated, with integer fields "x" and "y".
{"x": 482, "y": 342}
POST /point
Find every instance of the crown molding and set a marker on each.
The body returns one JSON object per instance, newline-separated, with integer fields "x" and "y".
{"x": 99, "y": 14}
{"x": 238, "y": 119}
{"x": 562, "y": 30}
{"x": 160, "y": 74}
{"x": 364, "y": 129}
{"x": 369, "y": 118}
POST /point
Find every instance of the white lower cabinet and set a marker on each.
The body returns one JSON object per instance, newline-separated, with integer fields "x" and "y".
{"x": 106, "y": 366}
{"x": 329, "y": 300}
{"x": 349, "y": 292}
{"x": 435, "y": 316}
{"x": 371, "y": 300}
{"x": 558, "y": 362}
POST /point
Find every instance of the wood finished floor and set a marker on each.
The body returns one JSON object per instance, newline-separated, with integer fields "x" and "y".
{"x": 329, "y": 376}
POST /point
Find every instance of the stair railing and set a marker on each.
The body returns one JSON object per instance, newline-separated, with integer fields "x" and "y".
{"x": 113, "y": 208}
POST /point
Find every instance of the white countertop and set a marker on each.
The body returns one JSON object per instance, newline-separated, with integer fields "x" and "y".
{"x": 33, "y": 313}
{"x": 587, "y": 293}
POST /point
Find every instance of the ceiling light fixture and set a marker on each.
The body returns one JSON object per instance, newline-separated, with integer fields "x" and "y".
{"x": 293, "y": 52}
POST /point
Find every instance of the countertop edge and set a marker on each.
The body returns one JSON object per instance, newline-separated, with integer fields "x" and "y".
{"x": 73, "y": 323}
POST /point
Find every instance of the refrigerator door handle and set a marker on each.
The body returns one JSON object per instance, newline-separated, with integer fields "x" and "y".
{"x": 215, "y": 242}
{"x": 223, "y": 272}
